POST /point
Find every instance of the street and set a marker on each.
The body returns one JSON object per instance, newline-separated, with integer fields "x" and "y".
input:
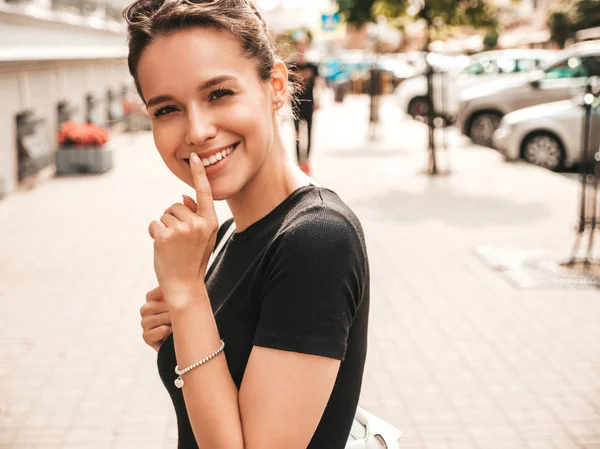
{"x": 458, "y": 356}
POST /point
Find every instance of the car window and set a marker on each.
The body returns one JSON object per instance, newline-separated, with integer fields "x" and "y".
{"x": 510, "y": 65}
{"x": 526, "y": 65}
{"x": 592, "y": 64}
{"x": 482, "y": 67}
{"x": 569, "y": 68}
{"x": 507, "y": 65}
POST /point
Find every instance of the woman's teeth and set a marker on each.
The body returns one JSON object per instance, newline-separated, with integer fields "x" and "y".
{"x": 207, "y": 162}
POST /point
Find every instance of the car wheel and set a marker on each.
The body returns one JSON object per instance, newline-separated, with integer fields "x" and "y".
{"x": 545, "y": 150}
{"x": 418, "y": 108}
{"x": 482, "y": 128}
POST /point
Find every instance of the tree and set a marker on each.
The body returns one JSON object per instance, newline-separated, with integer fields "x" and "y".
{"x": 357, "y": 12}
{"x": 560, "y": 27}
{"x": 361, "y": 12}
{"x": 490, "y": 40}
{"x": 475, "y": 13}
{"x": 588, "y": 14}
{"x": 567, "y": 16}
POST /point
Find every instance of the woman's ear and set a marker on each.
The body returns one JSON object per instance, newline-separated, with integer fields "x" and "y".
{"x": 279, "y": 84}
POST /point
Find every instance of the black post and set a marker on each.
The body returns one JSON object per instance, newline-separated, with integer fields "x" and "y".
{"x": 445, "y": 123}
{"x": 374, "y": 92}
{"x": 431, "y": 113}
{"x": 594, "y": 152}
{"x": 586, "y": 172}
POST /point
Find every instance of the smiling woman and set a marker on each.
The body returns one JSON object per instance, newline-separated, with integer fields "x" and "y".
{"x": 266, "y": 349}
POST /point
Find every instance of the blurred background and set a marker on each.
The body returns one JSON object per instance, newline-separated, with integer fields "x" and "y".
{"x": 464, "y": 133}
{"x": 64, "y": 61}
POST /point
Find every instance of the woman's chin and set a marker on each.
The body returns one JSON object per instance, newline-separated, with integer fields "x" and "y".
{"x": 222, "y": 193}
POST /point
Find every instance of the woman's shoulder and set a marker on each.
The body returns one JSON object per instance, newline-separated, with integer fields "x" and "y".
{"x": 321, "y": 214}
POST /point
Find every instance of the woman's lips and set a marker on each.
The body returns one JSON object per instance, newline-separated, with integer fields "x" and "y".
{"x": 214, "y": 167}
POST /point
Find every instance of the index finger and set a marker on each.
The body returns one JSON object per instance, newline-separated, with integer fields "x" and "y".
{"x": 204, "y": 198}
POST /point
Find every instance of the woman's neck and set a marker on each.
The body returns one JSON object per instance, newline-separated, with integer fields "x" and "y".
{"x": 276, "y": 180}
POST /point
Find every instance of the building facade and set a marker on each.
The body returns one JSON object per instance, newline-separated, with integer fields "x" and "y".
{"x": 59, "y": 59}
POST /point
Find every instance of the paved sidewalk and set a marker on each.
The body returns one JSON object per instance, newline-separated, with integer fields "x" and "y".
{"x": 458, "y": 357}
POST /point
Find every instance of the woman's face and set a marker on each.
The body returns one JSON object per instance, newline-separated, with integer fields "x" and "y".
{"x": 204, "y": 96}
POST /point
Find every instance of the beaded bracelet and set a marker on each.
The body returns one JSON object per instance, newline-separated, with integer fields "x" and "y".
{"x": 179, "y": 381}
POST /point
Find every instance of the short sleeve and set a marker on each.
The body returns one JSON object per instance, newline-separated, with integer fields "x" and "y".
{"x": 313, "y": 285}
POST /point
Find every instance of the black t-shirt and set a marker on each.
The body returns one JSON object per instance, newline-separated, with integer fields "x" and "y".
{"x": 308, "y": 73}
{"x": 296, "y": 280}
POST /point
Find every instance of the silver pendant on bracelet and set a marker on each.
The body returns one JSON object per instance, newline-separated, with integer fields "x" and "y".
{"x": 179, "y": 381}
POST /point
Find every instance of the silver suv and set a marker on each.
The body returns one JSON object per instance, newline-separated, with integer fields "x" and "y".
{"x": 482, "y": 107}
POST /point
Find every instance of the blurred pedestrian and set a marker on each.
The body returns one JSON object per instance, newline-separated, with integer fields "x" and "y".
{"x": 262, "y": 342}
{"x": 309, "y": 97}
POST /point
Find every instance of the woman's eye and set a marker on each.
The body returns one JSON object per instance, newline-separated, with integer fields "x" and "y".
{"x": 164, "y": 110}
{"x": 219, "y": 93}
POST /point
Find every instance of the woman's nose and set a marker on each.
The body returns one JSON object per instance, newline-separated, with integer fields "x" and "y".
{"x": 200, "y": 127}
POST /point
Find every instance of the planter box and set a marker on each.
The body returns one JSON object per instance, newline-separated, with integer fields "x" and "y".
{"x": 78, "y": 160}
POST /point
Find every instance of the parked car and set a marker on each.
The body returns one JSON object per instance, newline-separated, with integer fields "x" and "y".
{"x": 482, "y": 107}
{"x": 548, "y": 135}
{"x": 399, "y": 68}
{"x": 415, "y": 59}
{"x": 411, "y": 95}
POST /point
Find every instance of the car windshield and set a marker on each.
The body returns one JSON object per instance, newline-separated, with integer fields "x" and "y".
{"x": 572, "y": 67}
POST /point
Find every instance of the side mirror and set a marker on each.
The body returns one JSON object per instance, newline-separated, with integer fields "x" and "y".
{"x": 536, "y": 79}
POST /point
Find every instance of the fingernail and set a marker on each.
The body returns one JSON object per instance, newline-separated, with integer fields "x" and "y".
{"x": 186, "y": 197}
{"x": 195, "y": 159}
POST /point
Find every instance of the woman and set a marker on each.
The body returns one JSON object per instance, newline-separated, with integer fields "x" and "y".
{"x": 289, "y": 294}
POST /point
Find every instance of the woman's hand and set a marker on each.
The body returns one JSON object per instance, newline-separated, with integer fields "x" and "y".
{"x": 184, "y": 239}
{"x": 156, "y": 320}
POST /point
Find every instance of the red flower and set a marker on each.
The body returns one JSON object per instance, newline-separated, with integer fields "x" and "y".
{"x": 82, "y": 135}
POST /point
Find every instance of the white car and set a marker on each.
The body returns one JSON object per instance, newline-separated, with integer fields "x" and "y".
{"x": 482, "y": 107}
{"x": 548, "y": 135}
{"x": 411, "y": 95}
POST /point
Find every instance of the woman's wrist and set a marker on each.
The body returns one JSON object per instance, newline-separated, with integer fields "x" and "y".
{"x": 182, "y": 298}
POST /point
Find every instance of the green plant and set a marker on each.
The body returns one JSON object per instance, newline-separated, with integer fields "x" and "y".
{"x": 474, "y": 13}
{"x": 587, "y": 14}
{"x": 490, "y": 40}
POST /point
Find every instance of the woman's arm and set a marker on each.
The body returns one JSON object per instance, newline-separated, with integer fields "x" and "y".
{"x": 283, "y": 397}
{"x": 211, "y": 397}
{"x": 281, "y": 400}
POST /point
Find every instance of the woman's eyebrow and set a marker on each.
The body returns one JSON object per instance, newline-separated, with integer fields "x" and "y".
{"x": 216, "y": 80}
{"x": 205, "y": 85}
{"x": 158, "y": 100}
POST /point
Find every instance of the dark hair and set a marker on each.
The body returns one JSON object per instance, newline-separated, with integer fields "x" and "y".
{"x": 239, "y": 17}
